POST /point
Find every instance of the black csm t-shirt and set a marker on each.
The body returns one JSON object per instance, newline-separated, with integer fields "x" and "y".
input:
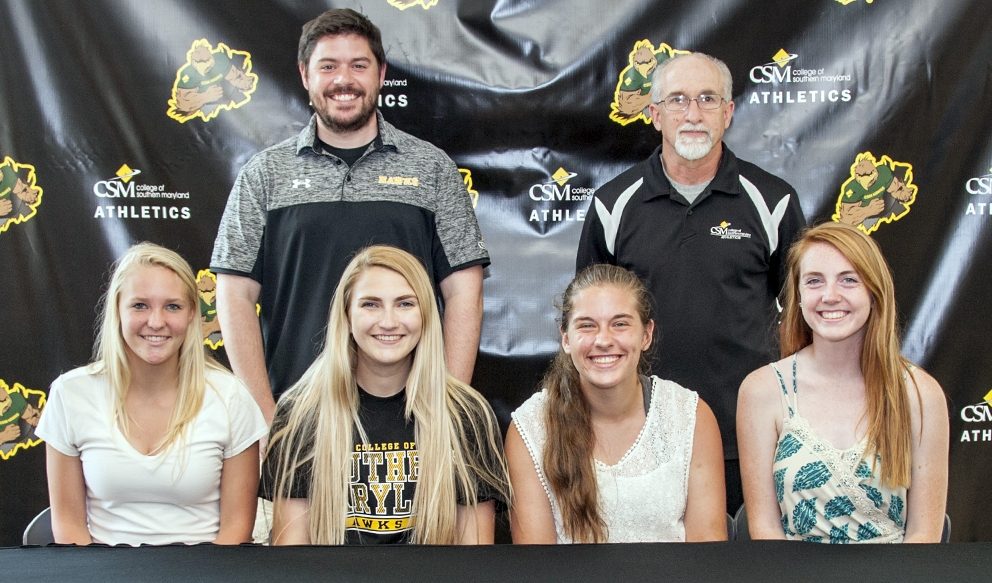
{"x": 384, "y": 473}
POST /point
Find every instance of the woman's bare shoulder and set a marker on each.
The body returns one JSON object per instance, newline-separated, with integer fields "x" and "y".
{"x": 924, "y": 389}
{"x": 765, "y": 379}
{"x": 923, "y": 382}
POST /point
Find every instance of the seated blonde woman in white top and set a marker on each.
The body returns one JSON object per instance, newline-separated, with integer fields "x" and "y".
{"x": 151, "y": 444}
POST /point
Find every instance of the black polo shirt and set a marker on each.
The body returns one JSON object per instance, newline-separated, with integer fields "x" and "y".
{"x": 714, "y": 270}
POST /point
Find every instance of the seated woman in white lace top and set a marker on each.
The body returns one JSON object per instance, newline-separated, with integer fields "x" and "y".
{"x": 843, "y": 440}
{"x": 603, "y": 454}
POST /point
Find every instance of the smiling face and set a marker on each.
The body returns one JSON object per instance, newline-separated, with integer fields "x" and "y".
{"x": 385, "y": 320}
{"x": 836, "y": 302}
{"x": 693, "y": 133}
{"x": 155, "y": 313}
{"x": 605, "y": 337}
{"x": 343, "y": 79}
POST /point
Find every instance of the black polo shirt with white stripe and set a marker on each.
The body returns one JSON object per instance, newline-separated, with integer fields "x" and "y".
{"x": 714, "y": 269}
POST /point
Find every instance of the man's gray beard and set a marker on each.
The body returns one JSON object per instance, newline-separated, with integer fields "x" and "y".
{"x": 693, "y": 150}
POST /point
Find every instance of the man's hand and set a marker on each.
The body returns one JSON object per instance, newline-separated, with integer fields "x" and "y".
{"x": 5, "y": 207}
{"x": 236, "y": 297}
{"x": 462, "y": 293}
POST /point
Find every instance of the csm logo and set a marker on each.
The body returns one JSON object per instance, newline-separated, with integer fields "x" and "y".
{"x": 781, "y": 75}
{"x": 724, "y": 232}
{"x": 778, "y": 71}
{"x": 558, "y": 188}
{"x": 979, "y": 413}
{"x": 979, "y": 184}
{"x": 118, "y": 186}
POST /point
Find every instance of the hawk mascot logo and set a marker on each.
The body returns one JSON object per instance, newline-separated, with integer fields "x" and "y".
{"x": 19, "y": 194}
{"x": 20, "y": 411}
{"x": 633, "y": 93}
{"x": 211, "y": 80}
{"x": 877, "y": 192}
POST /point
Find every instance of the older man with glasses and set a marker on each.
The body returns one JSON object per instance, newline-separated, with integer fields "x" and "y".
{"x": 708, "y": 233}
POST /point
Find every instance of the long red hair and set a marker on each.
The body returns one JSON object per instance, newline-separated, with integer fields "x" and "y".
{"x": 882, "y": 364}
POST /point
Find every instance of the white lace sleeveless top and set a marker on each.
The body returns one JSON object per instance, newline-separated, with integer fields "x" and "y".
{"x": 642, "y": 497}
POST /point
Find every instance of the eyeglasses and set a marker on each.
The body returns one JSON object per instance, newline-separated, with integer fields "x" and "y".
{"x": 706, "y": 101}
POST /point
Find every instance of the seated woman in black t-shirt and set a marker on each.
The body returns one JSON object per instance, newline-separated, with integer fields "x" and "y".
{"x": 377, "y": 443}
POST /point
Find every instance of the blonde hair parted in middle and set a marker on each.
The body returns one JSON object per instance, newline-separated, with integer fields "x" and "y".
{"x": 110, "y": 352}
{"x": 457, "y": 437}
{"x": 882, "y": 364}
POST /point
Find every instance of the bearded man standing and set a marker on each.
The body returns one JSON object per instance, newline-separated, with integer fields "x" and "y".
{"x": 708, "y": 234}
{"x": 301, "y": 209}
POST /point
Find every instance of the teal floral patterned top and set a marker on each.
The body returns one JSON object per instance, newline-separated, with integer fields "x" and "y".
{"x": 829, "y": 495}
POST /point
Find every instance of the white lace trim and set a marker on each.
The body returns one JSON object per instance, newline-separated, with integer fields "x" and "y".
{"x": 643, "y": 496}
{"x": 843, "y": 464}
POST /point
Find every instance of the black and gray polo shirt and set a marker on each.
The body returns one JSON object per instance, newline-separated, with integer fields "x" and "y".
{"x": 296, "y": 216}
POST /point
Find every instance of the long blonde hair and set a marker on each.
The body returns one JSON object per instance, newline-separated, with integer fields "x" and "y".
{"x": 456, "y": 433}
{"x": 568, "y": 456}
{"x": 110, "y": 350}
{"x": 882, "y": 364}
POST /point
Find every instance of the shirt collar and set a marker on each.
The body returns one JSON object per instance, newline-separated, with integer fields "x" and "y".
{"x": 725, "y": 180}
{"x": 385, "y": 138}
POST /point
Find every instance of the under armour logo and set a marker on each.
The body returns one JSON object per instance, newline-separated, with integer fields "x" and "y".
{"x": 304, "y": 183}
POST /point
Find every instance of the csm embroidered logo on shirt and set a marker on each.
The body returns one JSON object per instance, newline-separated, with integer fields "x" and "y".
{"x": 724, "y": 232}
{"x": 400, "y": 180}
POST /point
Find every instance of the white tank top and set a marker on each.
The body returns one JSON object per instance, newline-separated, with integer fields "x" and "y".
{"x": 642, "y": 497}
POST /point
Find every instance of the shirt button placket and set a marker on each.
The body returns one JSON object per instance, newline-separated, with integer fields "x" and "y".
{"x": 686, "y": 228}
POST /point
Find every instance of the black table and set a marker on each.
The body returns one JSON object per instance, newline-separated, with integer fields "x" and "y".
{"x": 682, "y": 563}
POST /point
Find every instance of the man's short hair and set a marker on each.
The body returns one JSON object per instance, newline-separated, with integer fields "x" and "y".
{"x": 340, "y": 21}
{"x": 728, "y": 80}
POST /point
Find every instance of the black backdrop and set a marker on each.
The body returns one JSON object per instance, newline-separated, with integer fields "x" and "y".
{"x": 527, "y": 98}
